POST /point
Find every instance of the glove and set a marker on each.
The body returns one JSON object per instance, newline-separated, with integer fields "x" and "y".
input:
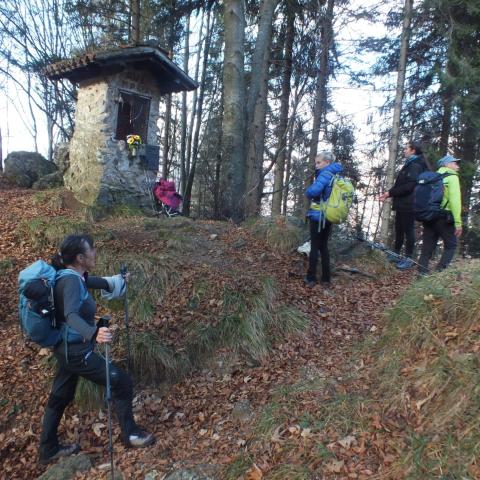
{"x": 116, "y": 287}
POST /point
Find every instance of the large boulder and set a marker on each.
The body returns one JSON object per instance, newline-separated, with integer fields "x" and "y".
{"x": 200, "y": 472}
{"x": 67, "y": 468}
{"x": 25, "y": 168}
{"x": 51, "y": 180}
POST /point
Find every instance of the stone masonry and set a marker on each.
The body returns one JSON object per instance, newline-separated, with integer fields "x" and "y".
{"x": 101, "y": 172}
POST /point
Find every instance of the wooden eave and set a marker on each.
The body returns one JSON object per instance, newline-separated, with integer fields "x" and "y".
{"x": 169, "y": 76}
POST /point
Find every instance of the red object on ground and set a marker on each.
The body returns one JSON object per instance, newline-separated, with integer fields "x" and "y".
{"x": 165, "y": 192}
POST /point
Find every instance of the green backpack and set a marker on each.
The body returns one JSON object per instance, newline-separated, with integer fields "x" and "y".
{"x": 337, "y": 206}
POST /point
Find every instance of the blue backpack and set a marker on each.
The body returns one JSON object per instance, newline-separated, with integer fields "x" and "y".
{"x": 428, "y": 196}
{"x": 36, "y": 306}
{"x": 37, "y": 309}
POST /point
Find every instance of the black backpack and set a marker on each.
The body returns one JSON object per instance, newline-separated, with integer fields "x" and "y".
{"x": 428, "y": 196}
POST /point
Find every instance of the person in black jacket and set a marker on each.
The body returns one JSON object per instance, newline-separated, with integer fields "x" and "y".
{"x": 402, "y": 194}
{"x": 76, "y": 355}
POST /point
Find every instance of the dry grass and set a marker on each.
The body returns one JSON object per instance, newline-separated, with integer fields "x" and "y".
{"x": 429, "y": 370}
{"x": 279, "y": 232}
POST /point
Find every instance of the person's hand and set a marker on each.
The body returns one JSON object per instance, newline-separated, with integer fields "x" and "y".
{"x": 384, "y": 196}
{"x": 458, "y": 232}
{"x": 104, "y": 335}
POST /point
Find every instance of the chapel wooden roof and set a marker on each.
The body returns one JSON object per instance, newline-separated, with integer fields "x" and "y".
{"x": 154, "y": 59}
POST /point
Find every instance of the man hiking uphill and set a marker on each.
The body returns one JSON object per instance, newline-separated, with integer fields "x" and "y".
{"x": 320, "y": 227}
{"x": 402, "y": 194}
{"x": 448, "y": 224}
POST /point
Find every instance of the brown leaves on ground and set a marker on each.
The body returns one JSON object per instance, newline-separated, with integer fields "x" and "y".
{"x": 192, "y": 419}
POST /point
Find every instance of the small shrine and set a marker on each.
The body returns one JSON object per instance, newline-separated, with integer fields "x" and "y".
{"x": 119, "y": 94}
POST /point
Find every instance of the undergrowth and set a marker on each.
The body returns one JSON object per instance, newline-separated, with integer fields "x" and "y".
{"x": 279, "y": 232}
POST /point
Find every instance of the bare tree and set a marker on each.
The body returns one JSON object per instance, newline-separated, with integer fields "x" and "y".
{"x": 393, "y": 147}
{"x": 281, "y": 154}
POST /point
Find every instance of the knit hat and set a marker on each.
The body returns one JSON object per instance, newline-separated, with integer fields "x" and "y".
{"x": 446, "y": 159}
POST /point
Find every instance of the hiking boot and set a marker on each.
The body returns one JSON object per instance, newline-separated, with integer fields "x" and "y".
{"x": 405, "y": 264}
{"x": 140, "y": 439}
{"x": 63, "y": 451}
{"x": 392, "y": 258}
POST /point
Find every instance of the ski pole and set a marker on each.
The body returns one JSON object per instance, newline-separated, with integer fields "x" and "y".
{"x": 104, "y": 322}
{"x": 123, "y": 272}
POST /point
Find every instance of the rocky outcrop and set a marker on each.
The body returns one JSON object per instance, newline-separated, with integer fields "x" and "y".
{"x": 25, "y": 168}
{"x": 67, "y": 468}
{"x": 200, "y": 472}
{"x": 52, "y": 180}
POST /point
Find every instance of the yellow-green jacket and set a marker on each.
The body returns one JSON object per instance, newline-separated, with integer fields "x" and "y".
{"x": 452, "y": 196}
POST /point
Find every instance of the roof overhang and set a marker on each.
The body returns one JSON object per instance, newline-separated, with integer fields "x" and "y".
{"x": 170, "y": 77}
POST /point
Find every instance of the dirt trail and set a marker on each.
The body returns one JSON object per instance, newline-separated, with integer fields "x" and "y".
{"x": 193, "y": 419}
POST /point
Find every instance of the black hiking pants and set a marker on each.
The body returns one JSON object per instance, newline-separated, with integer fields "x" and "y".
{"x": 319, "y": 243}
{"x": 443, "y": 228}
{"x": 90, "y": 366}
{"x": 405, "y": 231}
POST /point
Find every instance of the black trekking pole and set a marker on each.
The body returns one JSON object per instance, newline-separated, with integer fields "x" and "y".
{"x": 361, "y": 237}
{"x": 123, "y": 273}
{"x": 104, "y": 322}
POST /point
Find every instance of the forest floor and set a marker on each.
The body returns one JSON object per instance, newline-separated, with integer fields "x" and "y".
{"x": 292, "y": 415}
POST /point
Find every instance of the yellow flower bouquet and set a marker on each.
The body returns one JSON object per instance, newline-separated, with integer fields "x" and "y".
{"x": 133, "y": 141}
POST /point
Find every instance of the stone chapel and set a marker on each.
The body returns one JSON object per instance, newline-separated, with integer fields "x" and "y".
{"x": 119, "y": 94}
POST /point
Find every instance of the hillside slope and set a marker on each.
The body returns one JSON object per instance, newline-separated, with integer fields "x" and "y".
{"x": 238, "y": 364}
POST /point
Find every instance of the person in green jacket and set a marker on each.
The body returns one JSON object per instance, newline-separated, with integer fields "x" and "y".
{"x": 448, "y": 227}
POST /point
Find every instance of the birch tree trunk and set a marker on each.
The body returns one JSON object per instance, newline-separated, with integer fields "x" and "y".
{"x": 283, "y": 123}
{"x": 257, "y": 108}
{"x": 400, "y": 90}
{"x": 233, "y": 108}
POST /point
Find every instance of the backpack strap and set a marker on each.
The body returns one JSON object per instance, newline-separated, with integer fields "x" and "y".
{"x": 65, "y": 328}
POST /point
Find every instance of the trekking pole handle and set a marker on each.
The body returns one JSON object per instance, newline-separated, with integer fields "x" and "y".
{"x": 104, "y": 322}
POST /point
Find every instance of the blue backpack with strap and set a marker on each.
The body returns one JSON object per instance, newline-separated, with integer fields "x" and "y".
{"x": 37, "y": 308}
{"x": 428, "y": 196}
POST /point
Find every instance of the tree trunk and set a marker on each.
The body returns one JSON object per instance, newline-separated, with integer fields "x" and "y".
{"x": 183, "y": 135}
{"x": 446, "y": 122}
{"x": 194, "y": 101}
{"x": 257, "y": 107}
{"x": 392, "y": 154}
{"x": 166, "y": 136}
{"x": 321, "y": 86}
{"x": 168, "y": 105}
{"x": 135, "y": 21}
{"x": 1, "y": 151}
{"x": 233, "y": 108}
{"x": 196, "y": 137}
{"x": 283, "y": 122}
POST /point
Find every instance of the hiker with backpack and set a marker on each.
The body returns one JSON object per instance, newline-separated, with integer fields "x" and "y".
{"x": 320, "y": 228}
{"x": 402, "y": 194}
{"x": 438, "y": 204}
{"x": 75, "y": 352}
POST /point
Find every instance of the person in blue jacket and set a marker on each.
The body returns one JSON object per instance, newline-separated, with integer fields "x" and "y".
{"x": 320, "y": 227}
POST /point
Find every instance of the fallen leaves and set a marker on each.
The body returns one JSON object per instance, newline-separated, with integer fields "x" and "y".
{"x": 192, "y": 418}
